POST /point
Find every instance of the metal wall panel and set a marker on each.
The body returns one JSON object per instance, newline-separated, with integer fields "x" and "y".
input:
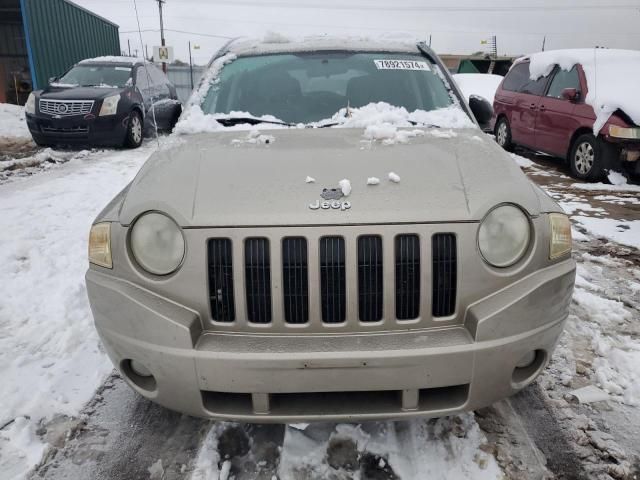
{"x": 61, "y": 33}
{"x": 180, "y": 76}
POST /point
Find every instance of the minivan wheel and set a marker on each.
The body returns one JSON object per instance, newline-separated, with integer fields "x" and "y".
{"x": 134, "y": 130}
{"x": 503, "y": 134}
{"x": 586, "y": 160}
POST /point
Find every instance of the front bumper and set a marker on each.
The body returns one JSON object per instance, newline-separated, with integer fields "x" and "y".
{"x": 342, "y": 377}
{"x": 79, "y": 130}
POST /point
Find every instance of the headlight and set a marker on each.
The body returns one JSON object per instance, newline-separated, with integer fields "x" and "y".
{"x": 157, "y": 243}
{"x": 110, "y": 105}
{"x": 560, "y": 243}
{"x": 623, "y": 132}
{"x": 504, "y": 235}
{"x": 30, "y": 106}
{"x": 100, "y": 245}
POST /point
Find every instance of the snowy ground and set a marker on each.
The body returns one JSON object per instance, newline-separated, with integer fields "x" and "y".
{"x": 51, "y": 363}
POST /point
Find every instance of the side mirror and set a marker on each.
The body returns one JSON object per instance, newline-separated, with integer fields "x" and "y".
{"x": 571, "y": 94}
{"x": 482, "y": 110}
{"x": 52, "y": 80}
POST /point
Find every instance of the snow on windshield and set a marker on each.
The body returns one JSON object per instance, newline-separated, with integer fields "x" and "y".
{"x": 612, "y": 78}
{"x": 201, "y": 114}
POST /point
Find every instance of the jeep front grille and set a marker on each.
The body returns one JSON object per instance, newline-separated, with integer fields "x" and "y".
{"x": 65, "y": 108}
{"x": 332, "y": 280}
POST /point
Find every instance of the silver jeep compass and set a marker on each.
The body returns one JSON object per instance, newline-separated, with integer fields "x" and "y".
{"x": 342, "y": 242}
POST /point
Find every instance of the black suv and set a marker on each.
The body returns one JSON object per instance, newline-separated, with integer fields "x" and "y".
{"x": 103, "y": 101}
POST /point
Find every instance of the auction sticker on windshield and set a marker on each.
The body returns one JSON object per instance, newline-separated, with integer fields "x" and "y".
{"x": 401, "y": 65}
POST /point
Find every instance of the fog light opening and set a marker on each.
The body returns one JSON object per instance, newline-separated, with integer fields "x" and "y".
{"x": 526, "y": 360}
{"x": 528, "y": 368}
{"x": 139, "y": 375}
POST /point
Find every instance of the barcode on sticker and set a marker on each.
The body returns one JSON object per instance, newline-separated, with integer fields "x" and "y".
{"x": 401, "y": 65}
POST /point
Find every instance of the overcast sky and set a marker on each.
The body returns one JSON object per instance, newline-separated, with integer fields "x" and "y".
{"x": 455, "y": 26}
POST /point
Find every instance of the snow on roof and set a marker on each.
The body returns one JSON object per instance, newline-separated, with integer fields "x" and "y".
{"x": 114, "y": 59}
{"x": 276, "y": 43}
{"x": 612, "y": 78}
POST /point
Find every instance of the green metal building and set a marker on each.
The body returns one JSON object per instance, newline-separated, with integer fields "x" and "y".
{"x": 40, "y": 39}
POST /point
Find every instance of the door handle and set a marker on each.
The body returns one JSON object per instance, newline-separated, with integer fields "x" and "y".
{"x": 542, "y": 108}
{"x": 532, "y": 106}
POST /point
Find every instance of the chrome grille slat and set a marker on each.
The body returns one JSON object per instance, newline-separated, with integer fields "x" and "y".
{"x": 444, "y": 261}
{"x": 370, "y": 292}
{"x": 65, "y": 108}
{"x": 258, "y": 280}
{"x": 407, "y": 251}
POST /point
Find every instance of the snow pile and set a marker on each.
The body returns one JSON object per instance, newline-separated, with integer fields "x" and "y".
{"x": 389, "y": 134}
{"x": 12, "y": 122}
{"x": 522, "y": 161}
{"x": 50, "y": 359}
{"x": 275, "y": 37}
{"x": 345, "y": 186}
{"x": 621, "y": 187}
{"x": 310, "y": 179}
{"x": 39, "y": 161}
{"x": 482, "y": 84}
{"x": 382, "y": 113}
{"x": 616, "y": 178}
{"x": 373, "y": 181}
{"x": 619, "y": 231}
{"x": 114, "y": 59}
{"x": 194, "y": 120}
{"x": 441, "y": 449}
{"x": 394, "y": 177}
{"x": 612, "y": 78}
{"x": 254, "y": 137}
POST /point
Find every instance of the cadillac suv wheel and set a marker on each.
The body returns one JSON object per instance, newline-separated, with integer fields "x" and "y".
{"x": 134, "y": 130}
{"x": 503, "y": 134}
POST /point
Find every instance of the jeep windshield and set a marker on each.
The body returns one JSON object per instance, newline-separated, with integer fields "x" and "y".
{"x": 96, "y": 76}
{"x": 310, "y": 87}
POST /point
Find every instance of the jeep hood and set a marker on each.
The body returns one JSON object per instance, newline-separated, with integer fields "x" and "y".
{"x": 221, "y": 179}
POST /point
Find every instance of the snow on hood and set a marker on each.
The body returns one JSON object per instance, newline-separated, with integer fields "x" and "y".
{"x": 612, "y": 78}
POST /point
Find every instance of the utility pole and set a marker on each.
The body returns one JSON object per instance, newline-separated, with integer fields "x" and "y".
{"x": 190, "y": 66}
{"x": 544, "y": 41}
{"x": 129, "y": 44}
{"x": 162, "y": 41}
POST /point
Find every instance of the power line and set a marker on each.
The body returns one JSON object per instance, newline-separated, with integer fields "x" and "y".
{"x": 425, "y": 8}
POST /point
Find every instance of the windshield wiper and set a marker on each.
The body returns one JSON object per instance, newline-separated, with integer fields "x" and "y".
{"x": 231, "y": 121}
{"x": 412, "y": 122}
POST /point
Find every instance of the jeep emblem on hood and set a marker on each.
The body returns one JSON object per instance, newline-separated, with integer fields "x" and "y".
{"x": 331, "y": 193}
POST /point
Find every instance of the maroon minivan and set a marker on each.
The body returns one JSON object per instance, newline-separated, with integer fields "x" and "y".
{"x": 550, "y": 115}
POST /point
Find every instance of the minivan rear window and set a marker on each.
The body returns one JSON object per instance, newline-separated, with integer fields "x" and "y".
{"x": 518, "y": 80}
